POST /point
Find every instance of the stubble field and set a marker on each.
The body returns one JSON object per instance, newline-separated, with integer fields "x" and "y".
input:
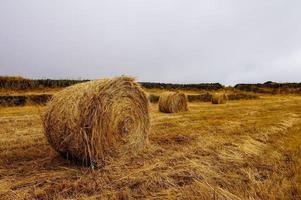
{"x": 247, "y": 149}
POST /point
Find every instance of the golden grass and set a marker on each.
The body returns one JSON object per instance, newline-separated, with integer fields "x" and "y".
{"x": 96, "y": 121}
{"x": 240, "y": 150}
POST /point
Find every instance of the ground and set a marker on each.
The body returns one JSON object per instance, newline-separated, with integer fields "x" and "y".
{"x": 247, "y": 149}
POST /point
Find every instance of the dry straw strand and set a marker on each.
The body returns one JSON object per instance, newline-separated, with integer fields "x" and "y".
{"x": 173, "y": 102}
{"x": 95, "y": 121}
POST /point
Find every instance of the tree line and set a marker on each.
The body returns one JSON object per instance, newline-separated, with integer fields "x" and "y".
{"x": 19, "y": 83}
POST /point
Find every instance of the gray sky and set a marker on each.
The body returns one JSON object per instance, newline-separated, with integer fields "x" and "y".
{"x": 184, "y": 41}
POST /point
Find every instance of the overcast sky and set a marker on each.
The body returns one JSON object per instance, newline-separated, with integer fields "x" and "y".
{"x": 184, "y": 41}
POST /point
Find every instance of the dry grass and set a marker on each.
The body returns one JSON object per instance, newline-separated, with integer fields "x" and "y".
{"x": 96, "y": 121}
{"x": 239, "y": 150}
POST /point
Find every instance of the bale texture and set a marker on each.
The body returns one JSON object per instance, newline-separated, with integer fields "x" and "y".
{"x": 94, "y": 122}
{"x": 219, "y": 99}
{"x": 172, "y": 102}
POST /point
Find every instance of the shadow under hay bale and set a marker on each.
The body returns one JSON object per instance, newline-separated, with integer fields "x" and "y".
{"x": 219, "y": 99}
{"x": 96, "y": 121}
{"x": 206, "y": 97}
{"x": 173, "y": 102}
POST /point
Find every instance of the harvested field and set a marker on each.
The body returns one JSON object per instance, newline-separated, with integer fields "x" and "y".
{"x": 239, "y": 150}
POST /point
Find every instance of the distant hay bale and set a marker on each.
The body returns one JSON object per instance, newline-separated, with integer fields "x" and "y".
{"x": 219, "y": 99}
{"x": 172, "y": 102}
{"x": 96, "y": 121}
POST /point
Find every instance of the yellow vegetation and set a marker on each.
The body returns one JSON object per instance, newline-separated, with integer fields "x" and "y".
{"x": 240, "y": 150}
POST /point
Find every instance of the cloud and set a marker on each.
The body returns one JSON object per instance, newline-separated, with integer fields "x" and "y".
{"x": 227, "y": 41}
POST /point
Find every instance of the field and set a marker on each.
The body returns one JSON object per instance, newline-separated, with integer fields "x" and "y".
{"x": 246, "y": 149}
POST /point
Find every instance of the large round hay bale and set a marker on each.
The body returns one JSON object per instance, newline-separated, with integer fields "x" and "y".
{"x": 219, "y": 99}
{"x": 96, "y": 121}
{"x": 172, "y": 102}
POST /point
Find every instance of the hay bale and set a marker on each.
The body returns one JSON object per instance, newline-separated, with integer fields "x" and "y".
{"x": 96, "y": 121}
{"x": 172, "y": 102}
{"x": 219, "y": 99}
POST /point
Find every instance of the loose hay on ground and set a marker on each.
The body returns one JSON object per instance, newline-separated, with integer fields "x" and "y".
{"x": 172, "y": 102}
{"x": 95, "y": 121}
